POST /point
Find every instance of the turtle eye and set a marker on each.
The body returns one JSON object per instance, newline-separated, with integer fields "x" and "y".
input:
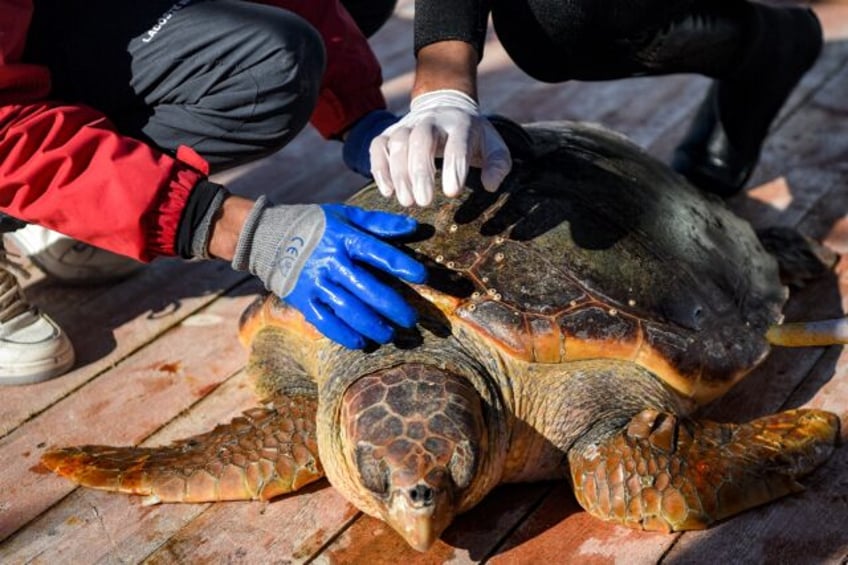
{"x": 374, "y": 472}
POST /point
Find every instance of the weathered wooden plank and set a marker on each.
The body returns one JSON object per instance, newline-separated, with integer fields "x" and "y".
{"x": 290, "y": 529}
{"x": 108, "y": 323}
{"x": 170, "y": 375}
{"x": 561, "y": 532}
{"x": 91, "y": 525}
{"x": 94, "y": 526}
{"x": 471, "y": 538}
{"x": 117, "y": 528}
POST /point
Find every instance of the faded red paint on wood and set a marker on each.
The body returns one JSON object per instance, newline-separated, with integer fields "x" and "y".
{"x": 293, "y": 527}
{"x": 108, "y": 323}
{"x": 473, "y": 537}
{"x": 122, "y": 407}
{"x": 560, "y": 532}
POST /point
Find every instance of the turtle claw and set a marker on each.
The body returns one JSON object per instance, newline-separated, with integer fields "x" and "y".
{"x": 666, "y": 473}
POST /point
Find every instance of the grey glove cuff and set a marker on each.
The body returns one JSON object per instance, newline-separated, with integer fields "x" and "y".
{"x": 276, "y": 241}
{"x": 200, "y": 237}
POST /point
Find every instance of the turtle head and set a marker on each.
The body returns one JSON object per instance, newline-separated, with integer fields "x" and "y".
{"x": 416, "y": 435}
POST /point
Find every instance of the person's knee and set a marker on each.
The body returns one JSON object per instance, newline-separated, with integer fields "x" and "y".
{"x": 269, "y": 92}
{"x": 239, "y": 84}
{"x": 287, "y": 75}
{"x": 541, "y": 36}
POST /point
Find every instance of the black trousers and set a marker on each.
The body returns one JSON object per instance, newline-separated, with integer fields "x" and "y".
{"x": 238, "y": 82}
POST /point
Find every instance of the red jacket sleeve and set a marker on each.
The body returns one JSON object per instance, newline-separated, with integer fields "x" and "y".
{"x": 66, "y": 168}
{"x": 351, "y": 85}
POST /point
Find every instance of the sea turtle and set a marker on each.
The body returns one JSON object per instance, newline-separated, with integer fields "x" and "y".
{"x": 573, "y": 322}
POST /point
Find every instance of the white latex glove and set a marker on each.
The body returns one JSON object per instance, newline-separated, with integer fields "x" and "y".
{"x": 442, "y": 123}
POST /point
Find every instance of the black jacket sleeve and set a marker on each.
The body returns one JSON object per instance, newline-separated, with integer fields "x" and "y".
{"x": 443, "y": 20}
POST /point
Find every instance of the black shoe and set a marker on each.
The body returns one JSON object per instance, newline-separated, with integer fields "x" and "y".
{"x": 722, "y": 147}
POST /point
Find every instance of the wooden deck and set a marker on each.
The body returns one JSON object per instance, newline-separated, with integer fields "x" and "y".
{"x": 159, "y": 360}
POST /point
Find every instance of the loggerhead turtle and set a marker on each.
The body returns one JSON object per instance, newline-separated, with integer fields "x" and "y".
{"x": 573, "y": 322}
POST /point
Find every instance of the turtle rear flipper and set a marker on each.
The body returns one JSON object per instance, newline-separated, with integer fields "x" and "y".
{"x": 662, "y": 472}
{"x": 264, "y": 453}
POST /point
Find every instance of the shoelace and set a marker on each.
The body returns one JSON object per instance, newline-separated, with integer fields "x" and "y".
{"x": 12, "y": 300}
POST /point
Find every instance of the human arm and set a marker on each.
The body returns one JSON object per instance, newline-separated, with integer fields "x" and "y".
{"x": 350, "y": 89}
{"x": 331, "y": 286}
{"x": 450, "y": 64}
{"x": 321, "y": 260}
{"x": 66, "y": 167}
{"x": 444, "y": 118}
{"x": 94, "y": 185}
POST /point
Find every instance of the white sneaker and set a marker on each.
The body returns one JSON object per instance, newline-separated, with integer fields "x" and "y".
{"x": 32, "y": 347}
{"x": 69, "y": 260}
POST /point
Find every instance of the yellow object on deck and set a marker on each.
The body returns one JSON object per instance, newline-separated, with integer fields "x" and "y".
{"x": 807, "y": 334}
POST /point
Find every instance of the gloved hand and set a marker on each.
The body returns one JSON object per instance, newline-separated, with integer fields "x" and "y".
{"x": 314, "y": 257}
{"x": 357, "y": 141}
{"x": 442, "y": 123}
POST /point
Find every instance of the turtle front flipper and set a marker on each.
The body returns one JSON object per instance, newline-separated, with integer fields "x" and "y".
{"x": 667, "y": 473}
{"x": 263, "y": 453}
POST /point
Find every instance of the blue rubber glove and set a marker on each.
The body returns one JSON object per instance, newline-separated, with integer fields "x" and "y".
{"x": 317, "y": 259}
{"x": 356, "y": 151}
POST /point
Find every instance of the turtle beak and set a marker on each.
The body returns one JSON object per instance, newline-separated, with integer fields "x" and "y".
{"x": 420, "y": 514}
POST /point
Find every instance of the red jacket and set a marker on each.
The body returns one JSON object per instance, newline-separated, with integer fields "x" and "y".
{"x": 65, "y": 167}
